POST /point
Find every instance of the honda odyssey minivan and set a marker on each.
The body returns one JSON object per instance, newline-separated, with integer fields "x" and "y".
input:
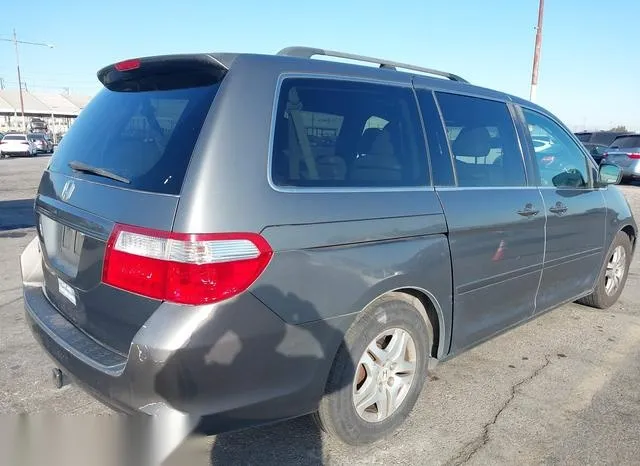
{"x": 258, "y": 237}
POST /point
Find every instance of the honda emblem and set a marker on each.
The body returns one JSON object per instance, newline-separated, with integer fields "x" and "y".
{"x": 67, "y": 191}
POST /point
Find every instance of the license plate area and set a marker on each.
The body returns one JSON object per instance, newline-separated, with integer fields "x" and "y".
{"x": 67, "y": 291}
{"x": 62, "y": 245}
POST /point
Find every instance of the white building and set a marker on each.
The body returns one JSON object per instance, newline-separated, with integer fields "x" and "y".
{"x": 58, "y": 110}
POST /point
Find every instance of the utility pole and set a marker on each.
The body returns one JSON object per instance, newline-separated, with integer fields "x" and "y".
{"x": 15, "y": 43}
{"x": 536, "y": 54}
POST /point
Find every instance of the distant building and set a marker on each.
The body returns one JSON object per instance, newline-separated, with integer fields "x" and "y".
{"x": 57, "y": 110}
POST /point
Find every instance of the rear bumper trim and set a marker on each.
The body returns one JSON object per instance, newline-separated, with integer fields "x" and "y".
{"x": 68, "y": 337}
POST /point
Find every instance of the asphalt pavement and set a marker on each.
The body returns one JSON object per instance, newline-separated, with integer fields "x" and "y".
{"x": 561, "y": 389}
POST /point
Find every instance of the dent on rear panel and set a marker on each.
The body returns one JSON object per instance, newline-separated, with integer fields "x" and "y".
{"x": 307, "y": 285}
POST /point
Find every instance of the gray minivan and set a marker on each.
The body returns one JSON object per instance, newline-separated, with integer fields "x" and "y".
{"x": 250, "y": 238}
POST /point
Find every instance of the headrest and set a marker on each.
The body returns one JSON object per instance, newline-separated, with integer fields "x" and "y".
{"x": 472, "y": 142}
{"x": 382, "y": 145}
{"x": 369, "y": 135}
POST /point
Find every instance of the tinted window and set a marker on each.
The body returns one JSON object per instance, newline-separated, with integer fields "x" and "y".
{"x": 14, "y": 137}
{"x": 603, "y": 137}
{"x": 147, "y": 137}
{"x": 332, "y": 133}
{"x": 441, "y": 164}
{"x": 560, "y": 161}
{"x": 626, "y": 142}
{"x": 36, "y": 136}
{"x": 483, "y": 141}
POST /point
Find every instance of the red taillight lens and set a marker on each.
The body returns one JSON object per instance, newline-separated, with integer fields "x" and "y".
{"x": 128, "y": 65}
{"x": 634, "y": 155}
{"x": 184, "y": 268}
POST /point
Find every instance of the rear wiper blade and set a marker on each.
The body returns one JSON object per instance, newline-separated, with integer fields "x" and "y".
{"x": 82, "y": 167}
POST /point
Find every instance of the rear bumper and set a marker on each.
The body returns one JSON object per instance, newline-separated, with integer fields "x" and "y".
{"x": 632, "y": 171}
{"x": 16, "y": 152}
{"x": 235, "y": 363}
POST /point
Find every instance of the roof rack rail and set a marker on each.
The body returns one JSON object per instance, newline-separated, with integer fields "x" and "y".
{"x": 308, "y": 52}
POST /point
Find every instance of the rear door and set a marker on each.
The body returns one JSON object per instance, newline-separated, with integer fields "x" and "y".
{"x": 122, "y": 162}
{"x": 495, "y": 219}
{"x": 575, "y": 213}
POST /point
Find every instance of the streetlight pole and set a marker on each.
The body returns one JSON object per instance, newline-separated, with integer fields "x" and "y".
{"x": 536, "y": 54}
{"x": 15, "y": 43}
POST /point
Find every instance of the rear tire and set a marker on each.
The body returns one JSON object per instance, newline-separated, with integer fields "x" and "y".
{"x": 384, "y": 385}
{"x": 613, "y": 274}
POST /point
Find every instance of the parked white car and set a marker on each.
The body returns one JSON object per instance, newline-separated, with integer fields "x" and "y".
{"x": 17, "y": 144}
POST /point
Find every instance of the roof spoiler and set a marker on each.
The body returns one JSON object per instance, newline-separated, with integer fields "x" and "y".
{"x": 308, "y": 52}
{"x": 162, "y": 72}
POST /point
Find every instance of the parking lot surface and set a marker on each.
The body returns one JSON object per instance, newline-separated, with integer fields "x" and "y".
{"x": 561, "y": 389}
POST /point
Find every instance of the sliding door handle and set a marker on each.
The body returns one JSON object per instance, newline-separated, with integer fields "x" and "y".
{"x": 528, "y": 211}
{"x": 558, "y": 209}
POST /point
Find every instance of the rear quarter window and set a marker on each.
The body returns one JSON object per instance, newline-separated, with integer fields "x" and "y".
{"x": 147, "y": 137}
{"x": 334, "y": 133}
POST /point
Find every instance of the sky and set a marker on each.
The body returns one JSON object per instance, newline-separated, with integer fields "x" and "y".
{"x": 589, "y": 69}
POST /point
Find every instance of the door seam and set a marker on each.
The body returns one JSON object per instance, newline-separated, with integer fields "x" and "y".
{"x": 544, "y": 253}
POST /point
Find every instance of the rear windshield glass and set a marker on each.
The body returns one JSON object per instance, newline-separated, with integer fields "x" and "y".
{"x": 603, "y": 137}
{"x": 584, "y": 137}
{"x": 146, "y": 137}
{"x": 36, "y": 136}
{"x": 627, "y": 142}
{"x": 14, "y": 138}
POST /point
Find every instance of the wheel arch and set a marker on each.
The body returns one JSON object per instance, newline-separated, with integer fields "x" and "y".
{"x": 431, "y": 312}
{"x": 630, "y": 231}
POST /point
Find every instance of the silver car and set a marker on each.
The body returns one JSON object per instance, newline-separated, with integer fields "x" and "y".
{"x": 624, "y": 152}
{"x": 40, "y": 142}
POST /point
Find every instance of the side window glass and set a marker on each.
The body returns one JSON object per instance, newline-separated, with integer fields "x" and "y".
{"x": 483, "y": 141}
{"x": 441, "y": 164}
{"x": 334, "y": 133}
{"x": 560, "y": 161}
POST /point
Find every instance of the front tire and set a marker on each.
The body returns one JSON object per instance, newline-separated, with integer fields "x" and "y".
{"x": 378, "y": 372}
{"x": 613, "y": 275}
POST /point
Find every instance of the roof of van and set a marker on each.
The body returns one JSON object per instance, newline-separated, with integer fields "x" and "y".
{"x": 428, "y": 75}
{"x": 420, "y": 75}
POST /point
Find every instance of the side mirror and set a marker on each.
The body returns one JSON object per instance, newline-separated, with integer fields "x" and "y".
{"x": 609, "y": 174}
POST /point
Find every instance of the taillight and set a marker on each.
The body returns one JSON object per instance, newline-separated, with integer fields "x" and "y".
{"x": 128, "y": 65}
{"x": 184, "y": 268}
{"x": 633, "y": 155}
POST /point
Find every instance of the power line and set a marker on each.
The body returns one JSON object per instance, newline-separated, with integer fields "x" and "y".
{"x": 15, "y": 43}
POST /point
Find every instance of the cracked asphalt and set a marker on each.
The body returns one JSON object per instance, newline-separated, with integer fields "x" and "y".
{"x": 561, "y": 389}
